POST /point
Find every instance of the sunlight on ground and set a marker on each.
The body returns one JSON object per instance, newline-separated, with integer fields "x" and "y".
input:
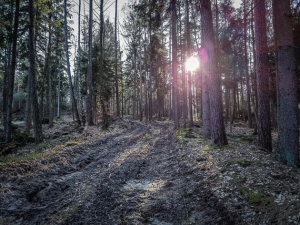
{"x": 146, "y": 185}
{"x": 142, "y": 147}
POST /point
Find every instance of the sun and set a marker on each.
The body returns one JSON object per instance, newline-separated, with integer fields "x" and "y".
{"x": 192, "y": 63}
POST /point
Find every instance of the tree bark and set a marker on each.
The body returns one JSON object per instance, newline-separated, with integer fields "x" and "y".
{"x": 32, "y": 73}
{"x": 75, "y": 109}
{"x": 247, "y": 69}
{"x": 89, "y": 79}
{"x": 218, "y": 134}
{"x": 188, "y": 53}
{"x": 79, "y": 95}
{"x": 264, "y": 122}
{"x": 103, "y": 102}
{"x": 287, "y": 102}
{"x": 174, "y": 65}
{"x": 48, "y": 71}
{"x": 11, "y": 78}
{"x": 116, "y": 60}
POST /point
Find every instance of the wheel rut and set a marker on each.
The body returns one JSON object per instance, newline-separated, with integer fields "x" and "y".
{"x": 133, "y": 177}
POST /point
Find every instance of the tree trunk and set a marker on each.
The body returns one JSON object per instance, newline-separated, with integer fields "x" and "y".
{"x": 58, "y": 97}
{"x": 48, "y": 71}
{"x": 116, "y": 60}
{"x": 75, "y": 109}
{"x": 218, "y": 134}
{"x": 264, "y": 122}
{"x": 141, "y": 85}
{"x": 8, "y": 58}
{"x": 205, "y": 104}
{"x": 247, "y": 69}
{"x": 254, "y": 83}
{"x": 188, "y": 53}
{"x": 32, "y": 73}
{"x": 174, "y": 65}
{"x": 11, "y": 78}
{"x": 27, "y": 119}
{"x": 183, "y": 57}
{"x": 103, "y": 102}
{"x": 288, "y": 131}
{"x": 135, "y": 91}
{"x": 89, "y": 79}
{"x": 79, "y": 95}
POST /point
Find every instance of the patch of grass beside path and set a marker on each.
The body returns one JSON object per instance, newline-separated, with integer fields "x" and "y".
{"x": 40, "y": 152}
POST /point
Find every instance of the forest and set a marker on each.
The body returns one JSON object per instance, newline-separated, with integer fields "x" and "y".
{"x": 149, "y": 112}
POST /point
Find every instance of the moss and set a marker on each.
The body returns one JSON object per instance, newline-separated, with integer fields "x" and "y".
{"x": 70, "y": 211}
{"x": 230, "y": 146}
{"x": 40, "y": 151}
{"x": 242, "y": 162}
{"x": 190, "y": 134}
{"x": 42, "y": 146}
{"x": 183, "y": 134}
{"x": 31, "y": 156}
{"x": 147, "y": 137}
{"x": 240, "y": 125}
{"x": 208, "y": 148}
{"x": 245, "y": 190}
{"x": 256, "y": 197}
{"x": 249, "y": 138}
{"x": 180, "y": 133}
{"x": 180, "y": 138}
{"x": 200, "y": 139}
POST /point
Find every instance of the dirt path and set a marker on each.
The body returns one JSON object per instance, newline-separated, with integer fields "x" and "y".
{"x": 134, "y": 176}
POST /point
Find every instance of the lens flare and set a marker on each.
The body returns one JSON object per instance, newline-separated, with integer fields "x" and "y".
{"x": 192, "y": 63}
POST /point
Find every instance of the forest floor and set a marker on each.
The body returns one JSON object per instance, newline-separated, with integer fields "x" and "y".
{"x": 145, "y": 173}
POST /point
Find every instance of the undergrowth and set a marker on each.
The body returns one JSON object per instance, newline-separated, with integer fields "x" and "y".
{"x": 41, "y": 151}
{"x": 256, "y": 197}
{"x": 242, "y": 162}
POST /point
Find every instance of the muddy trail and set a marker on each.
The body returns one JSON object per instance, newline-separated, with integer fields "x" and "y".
{"x": 136, "y": 175}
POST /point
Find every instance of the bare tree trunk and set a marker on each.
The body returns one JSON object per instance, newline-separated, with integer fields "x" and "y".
{"x": 134, "y": 97}
{"x": 288, "y": 118}
{"x": 103, "y": 102}
{"x": 254, "y": 83}
{"x": 89, "y": 79}
{"x": 150, "y": 97}
{"x": 141, "y": 85}
{"x": 48, "y": 71}
{"x": 75, "y": 109}
{"x": 188, "y": 53}
{"x": 50, "y": 99}
{"x": 218, "y": 134}
{"x": 58, "y": 97}
{"x": 183, "y": 57}
{"x": 78, "y": 62}
{"x": 5, "y": 84}
{"x": 8, "y": 58}
{"x": 174, "y": 65}
{"x": 116, "y": 60}
{"x": 264, "y": 125}
{"x": 247, "y": 69}
{"x": 205, "y": 106}
{"x": 35, "y": 106}
{"x": 11, "y": 78}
